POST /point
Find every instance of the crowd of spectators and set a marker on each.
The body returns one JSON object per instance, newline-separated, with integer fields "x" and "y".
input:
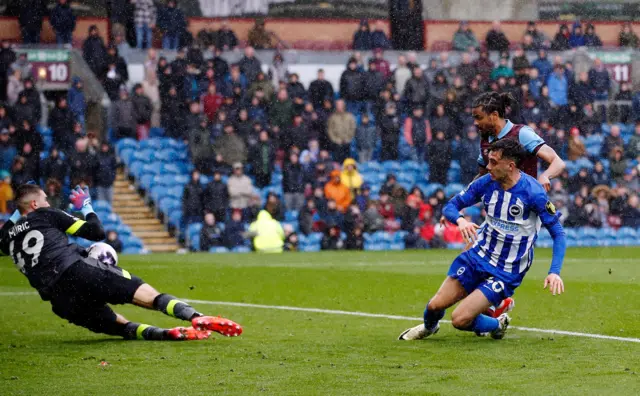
{"x": 240, "y": 127}
{"x": 241, "y": 123}
{"x": 75, "y": 156}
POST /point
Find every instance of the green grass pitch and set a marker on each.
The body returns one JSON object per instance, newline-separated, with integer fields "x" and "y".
{"x": 312, "y": 353}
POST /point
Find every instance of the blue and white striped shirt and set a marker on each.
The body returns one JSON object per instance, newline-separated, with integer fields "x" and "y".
{"x": 506, "y": 238}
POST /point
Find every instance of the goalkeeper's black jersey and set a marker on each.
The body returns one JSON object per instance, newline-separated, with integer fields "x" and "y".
{"x": 39, "y": 247}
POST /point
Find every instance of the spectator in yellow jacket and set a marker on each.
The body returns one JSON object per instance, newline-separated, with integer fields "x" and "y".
{"x": 269, "y": 235}
{"x": 350, "y": 176}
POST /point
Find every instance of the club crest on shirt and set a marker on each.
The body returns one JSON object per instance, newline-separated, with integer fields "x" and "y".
{"x": 515, "y": 210}
{"x": 550, "y": 208}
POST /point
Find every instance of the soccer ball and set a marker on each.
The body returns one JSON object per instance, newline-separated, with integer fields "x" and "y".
{"x": 103, "y": 253}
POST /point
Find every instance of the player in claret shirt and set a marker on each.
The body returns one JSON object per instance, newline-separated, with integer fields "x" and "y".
{"x": 502, "y": 250}
{"x": 80, "y": 287}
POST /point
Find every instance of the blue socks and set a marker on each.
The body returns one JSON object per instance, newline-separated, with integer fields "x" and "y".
{"x": 484, "y": 324}
{"x": 431, "y": 318}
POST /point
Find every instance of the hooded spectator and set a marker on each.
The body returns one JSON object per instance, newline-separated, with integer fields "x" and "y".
{"x": 123, "y": 117}
{"x": 464, "y": 39}
{"x": 331, "y": 239}
{"x": 210, "y": 234}
{"x": 258, "y": 37}
{"x": 576, "y": 148}
{"x": 416, "y": 90}
{"x": 27, "y": 134}
{"x": 561, "y": 40}
{"x": 611, "y": 141}
{"x": 417, "y": 133}
{"x": 366, "y": 138}
{"x": 389, "y": 129}
{"x": 30, "y": 17}
{"x": 76, "y": 100}
{"x": 61, "y": 121}
{"x": 63, "y": 22}
{"x": 82, "y": 164}
{"x": 338, "y": 191}
{"x": 591, "y": 39}
{"x": 496, "y": 39}
{"x": 373, "y": 220}
{"x": 216, "y": 197}
{"x": 192, "y": 206}
{"x": 200, "y": 146}
{"x": 627, "y": 37}
{"x": 7, "y": 150}
{"x": 293, "y": 183}
{"x": 142, "y": 110}
{"x": 439, "y": 155}
{"x": 231, "y": 146}
{"x": 54, "y": 167}
{"x": 362, "y": 40}
{"x": 576, "y": 39}
{"x": 95, "y": 53}
{"x": 171, "y": 22}
{"x": 105, "y": 172}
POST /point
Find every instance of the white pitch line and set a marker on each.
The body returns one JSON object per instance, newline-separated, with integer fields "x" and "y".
{"x": 398, "y": 317}
{"x": 372, "y": 315}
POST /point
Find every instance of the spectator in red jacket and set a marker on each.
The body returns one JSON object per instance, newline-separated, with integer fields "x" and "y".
{"x": 211, "y": 102}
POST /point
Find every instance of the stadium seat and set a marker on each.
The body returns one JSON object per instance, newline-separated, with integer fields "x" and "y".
{"x": 132, "y": 250}
{"x": 102, "y": 205}
{"x": 241, "y": 249}
{"x": 168, "y": 204}
{"x": 194, "y": 243}
{"x": 291, "y": 215}
{"x": 174, "y": 168}
{"x": 219, "y": 249}
{"x": 156, "y": 132}
{"x": 430, "y": 189}
{"x": 375, "y": 246}
{"x": 310, "y": 248}
{"x": 391, "y": 167}
{"x": 627, "y": 232}
{"x": 167, "y": 155}
{"x": 126, "y": 143}
{"x": 452, "y": 189}
{"x": 152, "y": 143}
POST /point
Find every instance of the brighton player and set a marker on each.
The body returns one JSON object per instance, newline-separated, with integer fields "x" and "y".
{"x": 80, "y": 287}
{"x": 502, "y": 251}
{"x": 489, "y": 112}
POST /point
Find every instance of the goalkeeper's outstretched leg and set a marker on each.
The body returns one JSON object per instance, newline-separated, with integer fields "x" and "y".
{"x": 82, "y": 294}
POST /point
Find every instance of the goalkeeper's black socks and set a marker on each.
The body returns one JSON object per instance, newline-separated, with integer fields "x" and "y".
{"x": 138, "y": 331}
{"x": 173, "y": 307}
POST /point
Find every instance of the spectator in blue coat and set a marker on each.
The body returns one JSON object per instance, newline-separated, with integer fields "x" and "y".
{"x": 543, "y": 65}
{"x": 233, "y": 235}
{"x": 379, "y": 38}
{"x": 76, "y": 99}
{"x": 576, "y": 39}
{"x": 7, "y": 150}
{"x": 467, "y": 154}
{"x": 171, "y": 22}
{"x": 63, "y": 22}
{"x": 599, "y": 80}
{"x": 105, "y": 173}
{"x": 558, "y": 86}
{"x": 362, "y": 38}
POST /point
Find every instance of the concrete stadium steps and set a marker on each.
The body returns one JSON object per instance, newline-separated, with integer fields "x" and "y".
{"x": 136, "y": 214}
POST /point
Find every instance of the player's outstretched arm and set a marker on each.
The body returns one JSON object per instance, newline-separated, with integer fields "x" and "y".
{"x": 4, "y": 243}
{"x": 90, "y": 228}
{"x": 553, "y": 280}
{"x": 556, "y": 166}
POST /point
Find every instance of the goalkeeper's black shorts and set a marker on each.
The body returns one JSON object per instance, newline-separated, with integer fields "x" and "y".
{"x": 82, "y": 293}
